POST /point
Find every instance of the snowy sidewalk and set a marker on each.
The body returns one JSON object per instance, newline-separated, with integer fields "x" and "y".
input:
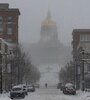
{"x": 82, "y": 95}
{"x": 4, "y": 97}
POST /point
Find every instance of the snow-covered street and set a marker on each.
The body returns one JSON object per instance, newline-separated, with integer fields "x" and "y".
{"x": 50, "y": 94}
{"x": 53, "y": 94}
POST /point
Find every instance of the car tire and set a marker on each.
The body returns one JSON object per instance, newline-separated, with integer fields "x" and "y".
{"x": 74, "y": 93}
{"x": 11, "y": 97}
{"x": 23, "y": 96}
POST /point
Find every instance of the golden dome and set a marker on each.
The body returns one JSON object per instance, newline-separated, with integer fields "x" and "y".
{"x": 48, "y": 21}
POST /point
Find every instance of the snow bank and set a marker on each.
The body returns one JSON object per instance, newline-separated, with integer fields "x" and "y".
{"x": 4, "y": 97}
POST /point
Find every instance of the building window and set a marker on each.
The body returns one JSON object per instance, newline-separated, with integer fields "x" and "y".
{"x": 88, "y": 67}
{"x": 84, "y": 37}
{"x": 9, "y": 40}
{"x": 9, "y": 30}
{"x": 85, "y": 67}
{"x": 1, "y": 30}
{"x": 1, "y": 22}
{"x": 1, "y": 18}
{"x": 9, "y": 23}
{"x": 9, "y": 20}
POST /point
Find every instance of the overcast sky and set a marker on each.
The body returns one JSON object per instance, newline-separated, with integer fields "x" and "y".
{"x": 68, "y": 14}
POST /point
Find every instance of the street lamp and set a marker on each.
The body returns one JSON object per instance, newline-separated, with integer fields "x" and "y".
{"x": 11, "y": 64}
{"x": 82, "y": 52}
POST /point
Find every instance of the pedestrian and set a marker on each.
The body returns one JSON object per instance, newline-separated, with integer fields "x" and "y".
{"x": 46, "y": 85}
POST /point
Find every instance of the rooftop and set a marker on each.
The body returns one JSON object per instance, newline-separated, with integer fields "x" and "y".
{"x": 81, "y": 30}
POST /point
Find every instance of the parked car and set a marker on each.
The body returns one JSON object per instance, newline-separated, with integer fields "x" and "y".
{"x": 69, "y": 89}
{"x": 17, "y": 92}
{"x": 36, "y": 85}
{"x": 62, "y": 88}
{"x": 30, "y": 88}
{"x": 24, "y": 88}
{"x": 59, "y": 85}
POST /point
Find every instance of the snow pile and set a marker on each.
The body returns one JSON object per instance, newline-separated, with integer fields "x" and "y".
{"x": 4, "y": 97}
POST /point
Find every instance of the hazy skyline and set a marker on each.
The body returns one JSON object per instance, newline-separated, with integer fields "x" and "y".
{"x": 68, "y": 14}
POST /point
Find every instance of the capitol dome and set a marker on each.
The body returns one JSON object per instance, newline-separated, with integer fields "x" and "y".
{"x": 48, "y": 21}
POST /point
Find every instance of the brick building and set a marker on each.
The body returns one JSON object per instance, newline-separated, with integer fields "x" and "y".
{"x": 8, "y": 42}
{"x": 9, "y": 23}
{"x": 81, "y": 40}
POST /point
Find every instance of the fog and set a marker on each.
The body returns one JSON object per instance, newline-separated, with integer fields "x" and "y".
{"x": 68, "y": 14}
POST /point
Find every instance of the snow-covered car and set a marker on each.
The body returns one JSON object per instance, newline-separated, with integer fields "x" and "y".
{"x": 24, "y": 86}
{"x": 30, "y": 88}
{"x": 17, "y": 92}
{"x": 69, "y": 89}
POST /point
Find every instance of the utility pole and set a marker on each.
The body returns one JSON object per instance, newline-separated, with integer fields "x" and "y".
{"x": 83, "y": 83}
{"x": 82, "y": 70}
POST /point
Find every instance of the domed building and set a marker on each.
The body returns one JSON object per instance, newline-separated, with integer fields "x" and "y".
{"x": 49, "y": 49}
{"x": 49, "y": 54}
{"x": 48, "y": 29}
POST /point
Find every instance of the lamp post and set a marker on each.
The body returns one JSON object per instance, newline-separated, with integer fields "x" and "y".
{"x": 11, "y": 63}
{"x": 18, "y": 69}
{"x": 82, "y": 69}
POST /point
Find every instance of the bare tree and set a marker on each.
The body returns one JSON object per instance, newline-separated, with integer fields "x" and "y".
{"x": 27, "y": 71}
{"x": 67, "y": 74}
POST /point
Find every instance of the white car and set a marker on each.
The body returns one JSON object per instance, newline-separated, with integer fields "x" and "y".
{"x": 17, "y": 92}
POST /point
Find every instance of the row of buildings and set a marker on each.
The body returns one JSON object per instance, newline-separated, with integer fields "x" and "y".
{"x": 8, "y": 45}
{"x": 81, "y": 57}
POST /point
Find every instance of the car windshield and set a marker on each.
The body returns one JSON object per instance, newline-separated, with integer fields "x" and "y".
{"x": 24, "y": 86}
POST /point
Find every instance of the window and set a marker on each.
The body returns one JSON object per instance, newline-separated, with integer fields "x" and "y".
{"x": 1, "y": 29}
{"x": 88, "y": 67}
{"x": 9, "y": 20}
{"x": 1, "y": 18}
{"x": 85, "y": 67}
{"x": 9, "y": 30}
{"x": 9, "y": 40}
{"x": 85, "y": 37}
{"x": 1, "y": 23}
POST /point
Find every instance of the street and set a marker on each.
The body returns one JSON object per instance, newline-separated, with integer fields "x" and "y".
{"x": 52, "y": 94}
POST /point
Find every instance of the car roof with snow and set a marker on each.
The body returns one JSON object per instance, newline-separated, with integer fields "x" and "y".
{"x": 17, "y": 86}
{"x": 69, "y": 85}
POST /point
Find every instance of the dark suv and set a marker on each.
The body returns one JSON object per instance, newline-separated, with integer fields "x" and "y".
{"x": 17, "y": 92}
